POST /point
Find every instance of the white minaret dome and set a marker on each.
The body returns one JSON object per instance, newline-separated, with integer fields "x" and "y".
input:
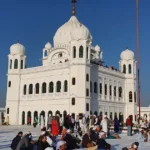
{"x": 127, "y": 55}
{"x": 97, "y": 48}
{"x": 17, "y": 49}
{"x": 71, "y": 30}
{"x": 48, "y": 46}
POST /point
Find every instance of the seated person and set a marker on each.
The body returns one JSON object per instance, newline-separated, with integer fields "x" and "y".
{"x": 134, "y": 146}
{"x": 42, "y": 143}
{"x": 95, "y": 134}
{"x": 86, "y": 141}
{"x": 102, "y": 144}
{"x": 71, "y": 142}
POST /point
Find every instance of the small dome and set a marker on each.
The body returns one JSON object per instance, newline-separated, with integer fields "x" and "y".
{"x": 127, "y": 55}
{"x": 71, "y": 30}
{"x": 97, "y": 48}
{"x": 48, "y": 46}
{"x": 17, "y": 49}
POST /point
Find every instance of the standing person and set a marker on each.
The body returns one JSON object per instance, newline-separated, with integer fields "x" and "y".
{"x": 84, "y": 125}
{"x": 72, "y": 124}
{"x": 29, "y": 120}
{"x": 60, "y": 124}
{"x": 88, "y": 121}
{"x": 129, "y": 125}
{"x": 16, "y": 140}
{"x": 55, "y": 129}
{"x": 116, "y": 125}
{"x": 105, "y": 124}
{"x": 49, "y": 122}
{"x": 77, "y": 122}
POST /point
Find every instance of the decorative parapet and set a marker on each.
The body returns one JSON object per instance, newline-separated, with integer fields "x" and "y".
{"x": 44, "y": 68}
{"x": 109, "y": 71}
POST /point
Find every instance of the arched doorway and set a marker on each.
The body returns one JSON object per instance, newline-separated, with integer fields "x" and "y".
{"x": 121, "y": 119}
{"x": 145, "y": 117}
{"x": 115, "y": 115}
{"x": 36, "y": 117}
{"x": 95, "y": 113}
{"x": 42, "y": 117}
{"x": 57, "y": 113}
{"x": 29, "y": 118}
{"x": 50, "y": 113}
{"x": 23, "y": 118}
{"x": 64, "y": 117}
{"x": 110, "y": 116}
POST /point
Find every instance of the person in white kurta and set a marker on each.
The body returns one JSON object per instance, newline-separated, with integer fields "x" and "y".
{"x": 104, "y": 124}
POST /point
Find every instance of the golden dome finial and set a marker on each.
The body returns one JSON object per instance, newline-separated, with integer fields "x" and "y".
{"x": 74, "y": 7}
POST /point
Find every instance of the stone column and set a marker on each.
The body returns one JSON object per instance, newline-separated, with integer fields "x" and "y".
{"x": 26, "y": 118}
{"x": 32, "y": 118}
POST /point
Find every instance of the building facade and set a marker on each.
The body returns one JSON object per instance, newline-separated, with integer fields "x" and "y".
{"x": 71, "y": 80}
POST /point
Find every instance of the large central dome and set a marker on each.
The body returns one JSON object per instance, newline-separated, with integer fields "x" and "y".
{"x": 71, "y": 30}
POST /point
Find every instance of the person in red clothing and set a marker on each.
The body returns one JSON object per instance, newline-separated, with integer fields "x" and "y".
{"x": 55, "y": 128}
{"x": 129, "y": 126}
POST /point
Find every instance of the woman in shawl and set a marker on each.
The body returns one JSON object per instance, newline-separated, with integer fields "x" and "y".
{"x": 55, "y": 128}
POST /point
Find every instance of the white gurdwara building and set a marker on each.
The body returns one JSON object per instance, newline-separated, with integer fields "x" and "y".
{"x": 71, "y": 80}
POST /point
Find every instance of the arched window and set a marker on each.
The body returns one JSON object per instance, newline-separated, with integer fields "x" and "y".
{"x": 91, "y": 86}
{"x": 37, "y": 87}
{"x": 58, "y": 86}
{"x": 73, "y": 101}
{"x": 105, "y": 89}
{"x": 130, "y": 69}
{"x": 30, "y": 89}
{"x": 16, "y": 64}
{"x": 100, "y": 88}
{"x": 73, "y": 81}
{"x": 7, "y": 110}
{"x": 65, "y": 86}
{"x": 10, "y": 65}
{"x": 74, "y": 52}
{"x": 81, "y": 52}
{"x": 114, "y": 90}
{"x": 51, "y": 87}
{"x": 87, "y": 106}
{"x": 110, "y": 92}
{"x": 130, "y": 96}
{"x": 87, "y": 51}
{"x": 25, "y": 89}
{"x": 120, "y": 91}
{"x": 124, "y": 68}
{"x": 45, "y": 53}
{"x": 87, "y": 92}
{"x": 135, "y": 97}
{"x": 9, "y": 84}
{"x": 21, "y": 64}
{"x": 87, "y": 77}
{"x": 95, "y": 87}
{"x": 44, "y": 87}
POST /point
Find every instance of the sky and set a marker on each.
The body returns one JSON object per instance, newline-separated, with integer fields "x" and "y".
{"x": 111, "y": 22}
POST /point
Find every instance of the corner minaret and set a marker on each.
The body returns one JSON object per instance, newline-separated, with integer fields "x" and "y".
{"x": 128, "y": 67}
{"x": 16, "y": 62}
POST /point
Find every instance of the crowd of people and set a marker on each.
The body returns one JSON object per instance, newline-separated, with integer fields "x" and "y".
{"x": 76, "y": 133}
